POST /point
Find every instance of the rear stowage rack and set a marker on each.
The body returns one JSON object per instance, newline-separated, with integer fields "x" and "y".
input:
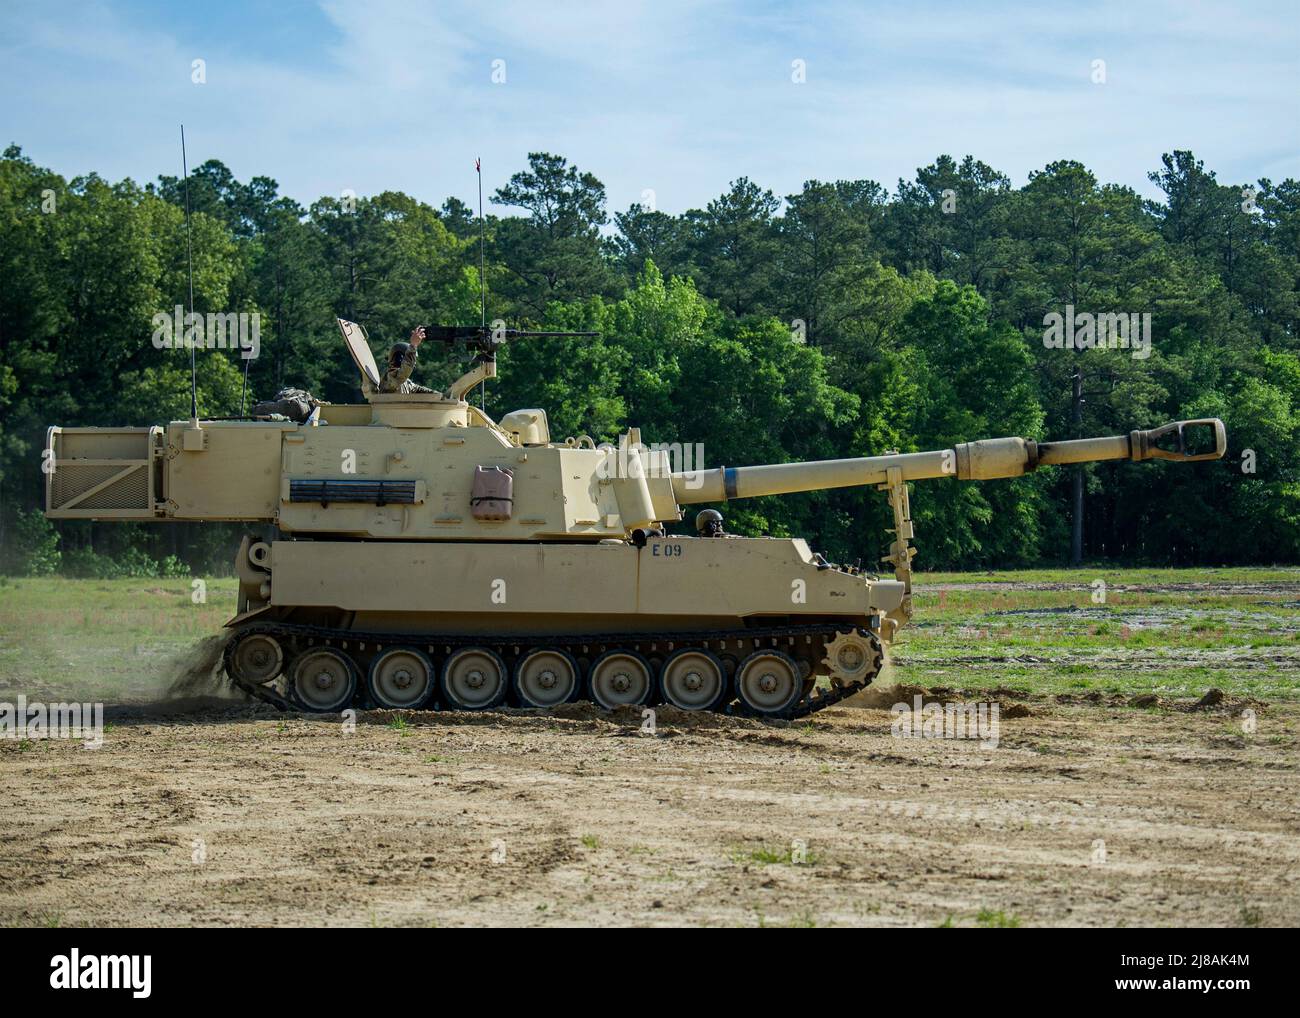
{"x": 103, "y": 473}
{"x": 373, "y": 492}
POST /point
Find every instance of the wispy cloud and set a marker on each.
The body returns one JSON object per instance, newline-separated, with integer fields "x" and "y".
{"x": 671, "y": 96}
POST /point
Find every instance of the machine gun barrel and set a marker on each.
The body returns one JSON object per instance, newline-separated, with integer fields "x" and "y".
{"x": 486, "y": 339}
{"x": 1184, "y": 441}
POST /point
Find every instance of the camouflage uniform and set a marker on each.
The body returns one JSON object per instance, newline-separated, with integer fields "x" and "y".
{"x": 397, "y": 379}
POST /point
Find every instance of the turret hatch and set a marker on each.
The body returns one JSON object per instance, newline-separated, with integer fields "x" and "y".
{"x": 355, "y": 338}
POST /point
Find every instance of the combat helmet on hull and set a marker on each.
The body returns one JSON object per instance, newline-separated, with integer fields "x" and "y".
{"x": 426, "y": 555}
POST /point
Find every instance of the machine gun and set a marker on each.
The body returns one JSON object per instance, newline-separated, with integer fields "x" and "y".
{"x": 486, "y": 339}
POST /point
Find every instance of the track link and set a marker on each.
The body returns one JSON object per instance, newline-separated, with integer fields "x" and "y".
{"x": 296, "y": 638}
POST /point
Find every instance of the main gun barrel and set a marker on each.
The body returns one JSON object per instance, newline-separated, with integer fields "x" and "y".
{"x": 1203, "y": 439}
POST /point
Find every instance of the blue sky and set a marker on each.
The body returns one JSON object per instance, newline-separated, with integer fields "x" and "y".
{"x": 676, "y": 98}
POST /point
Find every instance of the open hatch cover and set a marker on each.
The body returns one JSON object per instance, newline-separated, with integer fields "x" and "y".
{"x": 359, "y": 347}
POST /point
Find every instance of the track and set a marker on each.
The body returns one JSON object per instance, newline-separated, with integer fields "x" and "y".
{"x": 746, "y": 661}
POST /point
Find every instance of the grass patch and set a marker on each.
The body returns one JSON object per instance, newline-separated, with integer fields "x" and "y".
{"x": 107, "y": 640}
{"x": 1168, "y": 631}
{"x": 999, "y": 920}
{"x": 765, "y": 855}
{"x": 1162, "y": 631}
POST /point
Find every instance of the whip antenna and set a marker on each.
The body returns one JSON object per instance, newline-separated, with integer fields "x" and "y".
{"x": 189, "y": 262}
{"x": 243, "y": 392}
{"x": 482, "y": 275}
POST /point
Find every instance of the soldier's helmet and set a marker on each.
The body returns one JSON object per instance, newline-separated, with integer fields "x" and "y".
{"x": 396, "y": 354}
{"x": 708, "y": 522}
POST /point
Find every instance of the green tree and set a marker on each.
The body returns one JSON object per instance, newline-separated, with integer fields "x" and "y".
{"x": 645, "y": 235}
{"x": 827, "y": 237}
{"x": 974, "y": 380}
{"x": 733, "y": 248}
{"x": 952, "y": 221}
{"x": 554, "y": 252}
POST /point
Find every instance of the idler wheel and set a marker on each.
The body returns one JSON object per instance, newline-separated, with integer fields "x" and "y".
{"x": 257, "y": 659}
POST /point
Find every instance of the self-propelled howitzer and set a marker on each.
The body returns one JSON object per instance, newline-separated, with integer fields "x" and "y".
{"x": 424, "y": 554}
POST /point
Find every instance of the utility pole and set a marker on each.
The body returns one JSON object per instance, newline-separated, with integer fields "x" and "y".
{"x": 1076, "y": 431}
{"x": 1078, "y": 397}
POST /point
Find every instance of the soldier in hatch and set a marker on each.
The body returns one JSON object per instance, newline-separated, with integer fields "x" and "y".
{"x": 708, "y": 523}
{"x": 401, "y": 362}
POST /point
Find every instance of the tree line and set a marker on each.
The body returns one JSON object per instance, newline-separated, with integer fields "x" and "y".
{"x": 842, "y": 320}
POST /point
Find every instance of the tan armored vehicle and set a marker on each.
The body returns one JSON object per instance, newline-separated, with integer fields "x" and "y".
{"x": 426, "y": 555}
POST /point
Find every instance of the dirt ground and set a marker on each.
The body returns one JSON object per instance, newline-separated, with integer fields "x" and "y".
{"x": 1090, "y": 811}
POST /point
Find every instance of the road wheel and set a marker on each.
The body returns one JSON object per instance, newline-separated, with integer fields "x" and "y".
{"x": 474, "y": 679}
{"x": 693, "y": 680}
{"x": 769, "y": 682}
{"x": 619, "y": 678}
{"x": 322, "y": 680}
{"x": 546, "y": 678}
{"x": 401, "y": 678}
